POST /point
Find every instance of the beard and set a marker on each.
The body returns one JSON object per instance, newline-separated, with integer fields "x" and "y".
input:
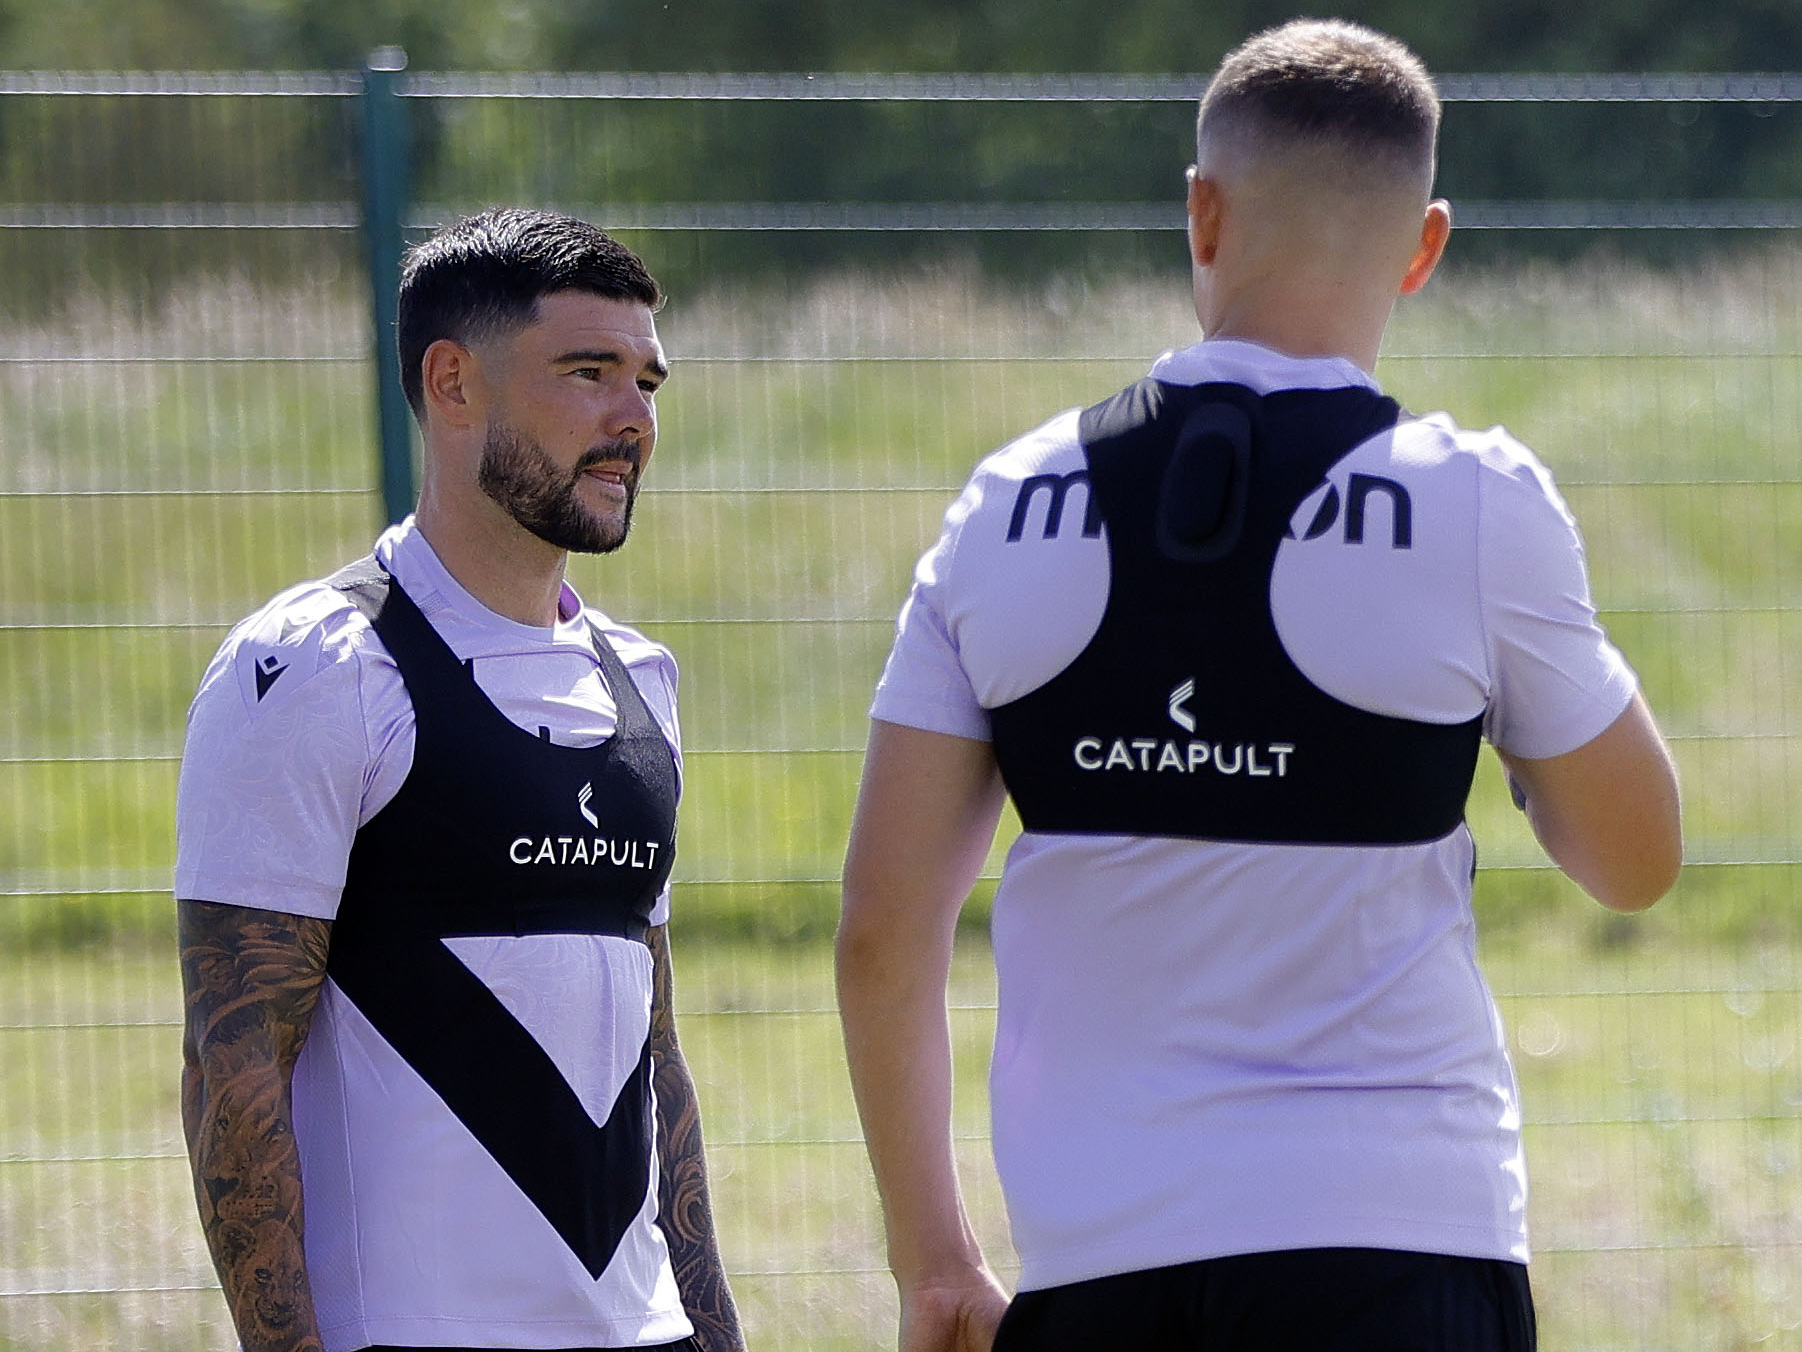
{"x": 524, "y": 480}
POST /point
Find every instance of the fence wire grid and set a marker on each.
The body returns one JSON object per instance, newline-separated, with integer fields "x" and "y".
{"x": 188, "y": 424}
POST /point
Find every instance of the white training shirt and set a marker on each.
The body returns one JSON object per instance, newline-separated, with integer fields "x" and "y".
{"x": 301, "y": 732}
{"x": 1210, "y": 1048}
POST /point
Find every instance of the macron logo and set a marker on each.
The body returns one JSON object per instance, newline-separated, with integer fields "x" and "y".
{"x": 267, "y": 671}
{"x": 1178, "y": 698}
{"x": 582, "y": 800}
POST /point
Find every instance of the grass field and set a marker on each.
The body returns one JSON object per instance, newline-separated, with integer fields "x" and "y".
{"x": 162, "y": 474}
{"x": 1658, "y": 1068}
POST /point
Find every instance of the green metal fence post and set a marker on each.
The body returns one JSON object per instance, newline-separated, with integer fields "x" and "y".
{"x": 385, "y": 191}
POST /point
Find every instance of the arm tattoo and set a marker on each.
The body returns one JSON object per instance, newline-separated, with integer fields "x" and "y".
{"x": 684, "y": 1211}
{"x": 250, "y": 981}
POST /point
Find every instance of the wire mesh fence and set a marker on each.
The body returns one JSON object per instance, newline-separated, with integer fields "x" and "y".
{"x": 875, "y": 280}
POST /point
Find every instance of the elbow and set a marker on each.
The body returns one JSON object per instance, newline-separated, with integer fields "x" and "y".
{"x": 1640, "y": 880}
{"x": 1630, "y": 898}
{"x": 879, "y": 943}
{"x": 857, "y": 943}
{"x": 860, "y": 933}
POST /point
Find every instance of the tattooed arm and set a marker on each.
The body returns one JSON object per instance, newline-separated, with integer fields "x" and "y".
{"x": 684, "y": 1210}
{"x": 251, "y": 980}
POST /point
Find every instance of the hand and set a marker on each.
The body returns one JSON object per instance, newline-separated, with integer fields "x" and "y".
{"x": 952, "y": 1316}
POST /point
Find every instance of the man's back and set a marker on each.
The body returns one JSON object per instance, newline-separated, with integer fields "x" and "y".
{"x": 1259, "y": 1025}
{"x": 1241, "y": 1019}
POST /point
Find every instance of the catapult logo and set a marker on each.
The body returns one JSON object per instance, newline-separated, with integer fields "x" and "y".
{"x": 1182, "y": 756}
{"x": 584, "y": 849}
{"x": 1178, "y": 698}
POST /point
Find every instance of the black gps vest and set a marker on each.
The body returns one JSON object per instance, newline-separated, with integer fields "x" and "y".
{"x": 1184, "y": 716}
{"x": 496, "y": 831}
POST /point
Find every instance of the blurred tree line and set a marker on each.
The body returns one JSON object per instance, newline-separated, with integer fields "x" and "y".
{"x": 594, "y": 153}
{"x": 920, "y": 35}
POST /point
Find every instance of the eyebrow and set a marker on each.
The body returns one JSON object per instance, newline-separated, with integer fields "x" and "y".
{"x": 601, "y": 356}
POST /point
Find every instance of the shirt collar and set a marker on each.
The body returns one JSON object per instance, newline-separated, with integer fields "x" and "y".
{"x": 405, "y": 552}
{"x": 1261, "y": 369}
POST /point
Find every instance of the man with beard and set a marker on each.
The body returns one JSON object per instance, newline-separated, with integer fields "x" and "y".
{"x": 432, "y": 1090}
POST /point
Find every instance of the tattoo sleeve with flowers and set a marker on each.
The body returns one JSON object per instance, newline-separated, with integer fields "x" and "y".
{"x": 684, "y": 1210}
{"x": 250, "y": 981}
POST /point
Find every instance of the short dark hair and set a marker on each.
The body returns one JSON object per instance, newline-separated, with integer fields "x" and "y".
{"x": 1330, "y": 82}
{"x": 483, "y": 276}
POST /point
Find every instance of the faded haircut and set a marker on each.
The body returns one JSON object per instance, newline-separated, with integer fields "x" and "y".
{"x": 483, "y": 276}
{"x": 1326, "y": 85}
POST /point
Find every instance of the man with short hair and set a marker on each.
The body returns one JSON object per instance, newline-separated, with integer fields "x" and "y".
{"x": 426, "y": 822}
{"x": 1229, "y": 642}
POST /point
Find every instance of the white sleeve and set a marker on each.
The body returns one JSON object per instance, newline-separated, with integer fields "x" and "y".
{"x": 1014, "y": 589}
{"x": 274, "y": 770}
{"x": 1556, "y": 682}
{"x": 924, "y": 685}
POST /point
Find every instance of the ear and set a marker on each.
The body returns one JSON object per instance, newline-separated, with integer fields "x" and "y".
{"x": 1435, "y": 231}
{"x": 1205, "y": 209}
{"x": 449, "y": 382}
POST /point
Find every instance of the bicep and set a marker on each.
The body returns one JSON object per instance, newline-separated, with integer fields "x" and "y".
{"x": 926, "y": 815}
{"x": 1608, "y": 812}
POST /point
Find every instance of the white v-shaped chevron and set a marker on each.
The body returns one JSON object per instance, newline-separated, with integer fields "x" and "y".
{"x": 586, "y": 999}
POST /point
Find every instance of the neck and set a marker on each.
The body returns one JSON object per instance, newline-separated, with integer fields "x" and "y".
{"x": 1299, "y": 314}
{"x": 493, "y": 558}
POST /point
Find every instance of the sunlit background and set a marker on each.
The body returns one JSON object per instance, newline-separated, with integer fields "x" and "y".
{"x": 874, "y": 280}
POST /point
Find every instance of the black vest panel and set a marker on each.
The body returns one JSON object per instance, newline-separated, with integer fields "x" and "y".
{"x": 496, "y": 831}
{"x": 1184, "y": 716}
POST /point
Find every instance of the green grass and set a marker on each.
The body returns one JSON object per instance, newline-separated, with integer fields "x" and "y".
{"x": 810, "y": 444}
{"x": 1658, "y": 1070}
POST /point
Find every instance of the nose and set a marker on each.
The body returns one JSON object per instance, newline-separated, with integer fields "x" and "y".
{"x": 632, "y": 414}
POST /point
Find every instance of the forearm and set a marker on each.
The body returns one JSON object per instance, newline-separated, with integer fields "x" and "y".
{"x": 898, "y": 1050}
{"x": 685, "y": 1207}
{"x": 925, "y": 816}
{"x": 250, "y": 980}
{"x": 1625, "y": 875}
{"x": 1608, "y": 813}
{"x": 247, "y": 1184}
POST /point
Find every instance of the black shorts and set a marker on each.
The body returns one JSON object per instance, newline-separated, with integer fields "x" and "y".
{"x": 1300, "y": 1300}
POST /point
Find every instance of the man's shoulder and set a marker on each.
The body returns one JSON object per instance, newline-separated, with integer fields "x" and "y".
{"x": 651, "y": 663}
{"x": 1437, "y": 438}
{"x": 310, "y": 605}
{"x": 631, "y": 643}
{"x": 1050, "y": 453}
{"x": 1431, "y": 452}
{"x": 308, "y": 632}
{"x": 1507, "y": 483}
{"x": 1054, "y": 446}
